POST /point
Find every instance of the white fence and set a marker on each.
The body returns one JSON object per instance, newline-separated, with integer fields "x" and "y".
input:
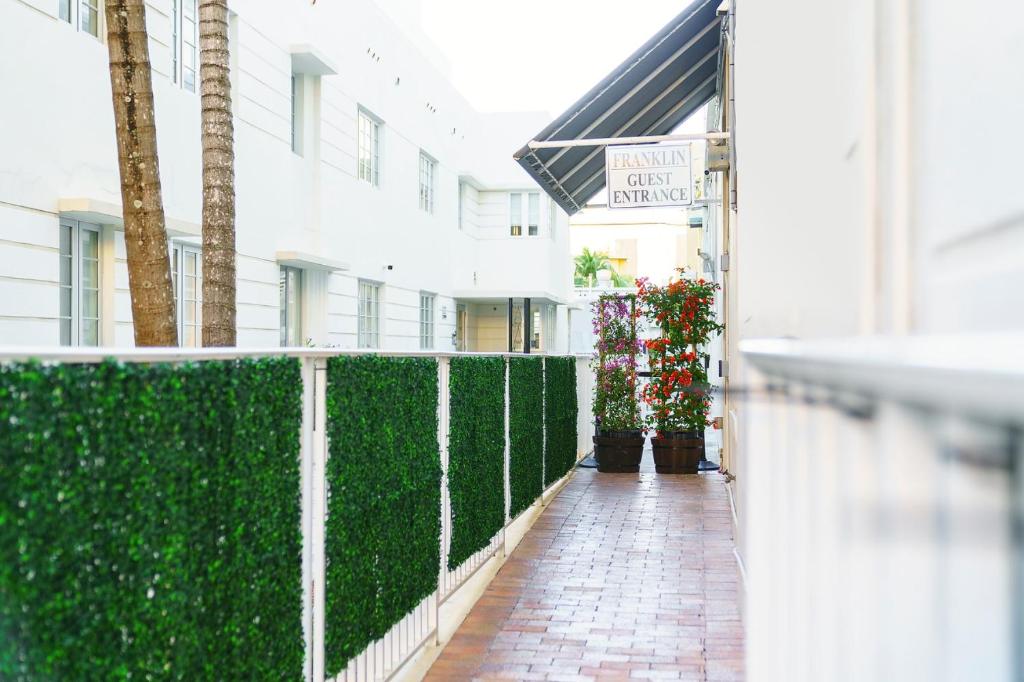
{"x": 882, "y": 510}
{"x": 384, "y": 657}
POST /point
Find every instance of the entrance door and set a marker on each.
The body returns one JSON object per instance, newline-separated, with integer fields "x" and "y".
{"x": 460, "y": 327}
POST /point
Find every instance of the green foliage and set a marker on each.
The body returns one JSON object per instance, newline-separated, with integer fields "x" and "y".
{"x": 526, "y": 432}
{"x": 559, "y": 417}
{"x": 476, "y": 453}
{"x": 384, "y": 507}
{"x": 678, "y": 391}
{"x": 589, "y": 263}
{"x": 150, "y": 521}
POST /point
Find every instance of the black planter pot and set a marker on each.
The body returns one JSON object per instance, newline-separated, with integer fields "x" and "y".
{"x": 678, "y": 452}
{"x": 618, "y": 452}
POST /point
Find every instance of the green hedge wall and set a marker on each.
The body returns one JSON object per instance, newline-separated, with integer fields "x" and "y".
{"x": 560, "y": 417}
{"x": 150, "y": 521}
{"x": 476, "y": 453}
{"x": 526, "y": 432}
{"x": 384, "y": 507}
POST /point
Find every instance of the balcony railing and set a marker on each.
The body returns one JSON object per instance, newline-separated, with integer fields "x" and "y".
{"x": 881, "y": 496}
{"x": 403, "y": 637}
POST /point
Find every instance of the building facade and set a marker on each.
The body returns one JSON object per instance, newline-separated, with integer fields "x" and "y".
{"x": 375, "y": 207}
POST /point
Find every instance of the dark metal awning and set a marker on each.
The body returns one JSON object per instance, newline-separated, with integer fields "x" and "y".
{"x": 666, "y": 80}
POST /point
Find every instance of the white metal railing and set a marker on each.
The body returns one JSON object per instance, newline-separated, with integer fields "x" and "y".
{"x": 881, "y": 508}
{"x": 384, "y": 657}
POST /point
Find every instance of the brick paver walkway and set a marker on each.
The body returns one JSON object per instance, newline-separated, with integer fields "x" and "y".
{"x": 622, "y": 577}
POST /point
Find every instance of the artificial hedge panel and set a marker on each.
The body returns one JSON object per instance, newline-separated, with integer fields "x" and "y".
{"x": 559, "y": 417}
{"x": 476, "y": 454}
{"x": 150, "y": 521}
{"x": 384, "y": 507}
{"x": 526, "y": 432}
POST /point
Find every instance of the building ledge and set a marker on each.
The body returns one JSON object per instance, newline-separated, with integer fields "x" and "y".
{"x": 92, "y": 210}
{"x": 502, "y": 295}
{"x": 310, "y": 261}
{"x": 308, "y": 60}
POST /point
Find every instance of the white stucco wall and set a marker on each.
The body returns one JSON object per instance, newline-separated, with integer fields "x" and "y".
{"x": 58, "y": 145}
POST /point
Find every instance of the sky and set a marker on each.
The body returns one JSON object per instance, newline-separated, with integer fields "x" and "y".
{"x": 538, "y": 55}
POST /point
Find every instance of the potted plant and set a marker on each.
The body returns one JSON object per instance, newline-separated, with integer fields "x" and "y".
{"x": 679, "y": 393}
{"x": 619, "y": 439}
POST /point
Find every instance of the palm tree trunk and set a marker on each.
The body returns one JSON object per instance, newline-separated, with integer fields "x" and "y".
{"x": 218, "y": 176}
{"x": 145, "y": 236}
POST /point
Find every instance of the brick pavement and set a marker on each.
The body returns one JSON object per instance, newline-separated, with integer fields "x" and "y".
{"x": 623, "y": 577}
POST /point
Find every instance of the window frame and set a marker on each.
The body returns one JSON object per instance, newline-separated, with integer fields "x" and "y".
{"x": 70, "y": 12}
{"x": 179, "y": 254}
{"x": 297, "y": 113}
{"x": 427, "y": 189}
{"x": 375, "y": 152}
{"x": 462, "y": 209}
{"x": 366, "y": 337}
{"x": 428, "y": 320}
{"x": 288, "y": 337}
{"x": 74, "y": 320}
{"x": 178, "y": 44}
{"x": 519, "y": 202}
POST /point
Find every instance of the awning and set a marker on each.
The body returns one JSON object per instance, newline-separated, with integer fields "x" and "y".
{"x": 666, "y": 80}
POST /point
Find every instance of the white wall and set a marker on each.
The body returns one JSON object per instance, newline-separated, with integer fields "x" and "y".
{"x": 59, "y": 144}
{"x": 876, "y": 146}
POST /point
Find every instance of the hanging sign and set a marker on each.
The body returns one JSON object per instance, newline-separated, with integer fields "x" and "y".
{"x": 648, "y": 175}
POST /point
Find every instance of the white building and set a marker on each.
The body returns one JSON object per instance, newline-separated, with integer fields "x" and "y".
{"x": 375, "y": 207}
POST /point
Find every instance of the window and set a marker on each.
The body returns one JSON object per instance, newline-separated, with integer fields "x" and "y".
{"x": 79, "y": 310}
{"x": 85, "y": 14}
{"x": 517, "y": 211}
{"x": 369, "y": 315}
{"x": 462, "y": 197}
{"x": 536, "y": 330}
{"x": 297, "y": 113}
{"x": 187, "y": 273}
{"x": 428, "y": 171}
{"x": 184, "y": 40}
{"x": 426, "y": 321}
{"x": 369, "y": 148}
{"x": 291, "y": 310}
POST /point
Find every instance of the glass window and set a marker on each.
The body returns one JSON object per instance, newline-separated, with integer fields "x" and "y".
{"x": 84, "y": 14}
{"x": 89, "y": 17}
{"x": 369, "y": 315}
{"x": 296, "y": 114}
{"x": 517, "y": 211}
{"x": 534, "y": 213}
{"x": 426, "y": 321}
{"x": 184, "y": 42}
{"x": 67, "y": 289}
{"x": 290, "y": 286}
{"x": 462, "y": 197}
{"x": 515, "y": 214}
{"x": 428, "y": 169}
{"x": 369, "y": 148}
{"x": 187, "y": 274}
{"x": 79, "y": 289}
{"x": 535, "y": 331}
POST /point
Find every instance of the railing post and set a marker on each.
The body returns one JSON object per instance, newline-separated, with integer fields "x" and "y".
{"x": 544, "y": 430}
{"x": 508, "y": 459}
{"x": 443, "y": 401}
{"x": 306, "y": 472}
{"x": 318, "y": 508}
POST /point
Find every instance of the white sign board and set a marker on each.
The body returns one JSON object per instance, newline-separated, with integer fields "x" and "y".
{"x": 647, "y": 175}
